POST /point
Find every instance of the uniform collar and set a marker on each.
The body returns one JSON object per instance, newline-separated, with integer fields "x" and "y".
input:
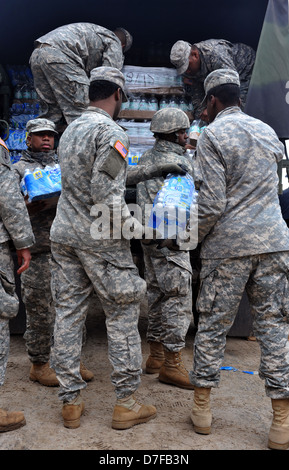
{"x": 165, "y": 145}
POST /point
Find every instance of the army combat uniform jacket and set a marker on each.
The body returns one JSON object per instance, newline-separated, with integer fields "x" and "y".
{"x": 95, "y": 174}
{"x": 239, "y": 210}
{"x": 87, "y": 44}
{"x": 14, "y": 218}
{"x": 221, "y": 54}
{"x": 61, "y": 64}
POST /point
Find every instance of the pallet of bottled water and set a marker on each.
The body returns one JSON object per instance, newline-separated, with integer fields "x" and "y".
{"x": 151, "y": 77}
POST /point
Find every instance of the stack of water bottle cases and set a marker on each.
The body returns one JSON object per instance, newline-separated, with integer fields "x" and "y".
{"x": 149, "y": 89}
{"x": 40, "y": 183}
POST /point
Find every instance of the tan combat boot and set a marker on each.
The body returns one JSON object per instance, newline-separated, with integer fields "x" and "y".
{"x": 173, "y": 371}
{"x": 128, "y": 412}
{"x": 201, "y": 415}
{"x": 86, "y": 374}
{"x": 43, "y": 374}
{"x": 156, "y": 358}
{"x": 279, "y": 431}
{"x": 11, "y": 421}
{"x": 71, "y": 413}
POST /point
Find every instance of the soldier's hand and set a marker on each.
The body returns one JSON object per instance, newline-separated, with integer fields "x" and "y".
{"x": 166, "y": 168}
{"x": 23, "y": 258}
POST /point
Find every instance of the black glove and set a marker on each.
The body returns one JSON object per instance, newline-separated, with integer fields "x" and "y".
{"x": 176, "y": 168}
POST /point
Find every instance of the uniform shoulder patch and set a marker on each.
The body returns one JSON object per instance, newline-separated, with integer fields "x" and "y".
{"x": 3, "y": 144}
{"x": 122, "y": 150}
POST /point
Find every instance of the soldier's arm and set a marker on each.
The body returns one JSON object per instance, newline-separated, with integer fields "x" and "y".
{"x": 13, "y": 212}
{"x": 142, "y": 173}
{"x": 210, "y": 181}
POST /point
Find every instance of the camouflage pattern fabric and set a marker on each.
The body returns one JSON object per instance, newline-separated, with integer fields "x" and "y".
{"x": 245, "y": 245}
{"x": 223, "y": 281}
{"x": 168, "y": 274}
{"x": 86, "y": 180}
{"x": 221, "y": 54}
{"x": 15, "y": 225}
{"x": 81, "y": 263}
{"x": 40, "y": 312}
{"x": 14, "y": 218}
{"x": 41, "y": 221}
{"x": 7, "y": 272}
{"x": 238, "y": 204}
{"x": 61, "y": 64}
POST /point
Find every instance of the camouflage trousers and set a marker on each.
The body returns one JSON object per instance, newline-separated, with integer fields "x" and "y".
{"x": 223, "y": 281}
{"x": 115, "y": 279}
{"x": 60, "y": 83}
{"x": 6, "y": 276}
{"x": 40, "y": 312}
{"x": 169, "y": 290}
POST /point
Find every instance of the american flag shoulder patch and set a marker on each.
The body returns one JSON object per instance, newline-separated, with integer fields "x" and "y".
{"x": 3, "y": 144}
{"x": 121, "y": 148}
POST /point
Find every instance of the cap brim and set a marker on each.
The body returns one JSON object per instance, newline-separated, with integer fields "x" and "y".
{"x": 43, "y": 129}
{"x": 183, "y": 68}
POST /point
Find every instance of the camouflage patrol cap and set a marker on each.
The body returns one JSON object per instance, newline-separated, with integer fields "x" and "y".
{"x": 221, "y": 77}
{"x": 39, "y": 125}
{"x": 128, "y": 38}
{"x": 169, "y": 120}
{"x": 110, "y": 74}
{"x": 180, "y": 56}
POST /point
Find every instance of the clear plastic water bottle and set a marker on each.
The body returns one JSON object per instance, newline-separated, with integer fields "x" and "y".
{"x": 153, "y": 104}
{"x": 172, "y": 205}
{"x": 173, "y": 102}
{"x": 164, "y": 103}
{"x": 54, "y": 174}
{"x": 183, "y": 105}
{"x": 135, "y": 102}
{"x": 26, "y": 91}
{"x": 125, "y": 105}
{"x": 18, "y": 92}
{"x": 143, "y": 104}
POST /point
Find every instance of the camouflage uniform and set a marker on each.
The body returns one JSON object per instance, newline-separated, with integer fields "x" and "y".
{"x": 220, "y": 54}
{"x": 244, "y": 246}
{"x": 15, "y": 225}
{"x": 94, "y": 172}
{"x": 168, "y": 273}
{"x": 61, "y": 64}
{"x": 35, "y": 281}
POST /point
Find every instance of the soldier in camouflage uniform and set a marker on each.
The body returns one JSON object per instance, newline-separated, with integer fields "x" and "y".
{"x": 92, "y": 155}
{"x": 35, "y": 282}
{"x": 168, "y": 273}
{"x": 195, "y": 62}
{"x": 14, "y": 225}
{"x": 245, "y": 245}
{"x": 63, "y": 59}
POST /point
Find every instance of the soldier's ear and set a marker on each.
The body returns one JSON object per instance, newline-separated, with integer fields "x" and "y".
{"x": 118, "y": 94}
{"x": 28, "y": 141}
